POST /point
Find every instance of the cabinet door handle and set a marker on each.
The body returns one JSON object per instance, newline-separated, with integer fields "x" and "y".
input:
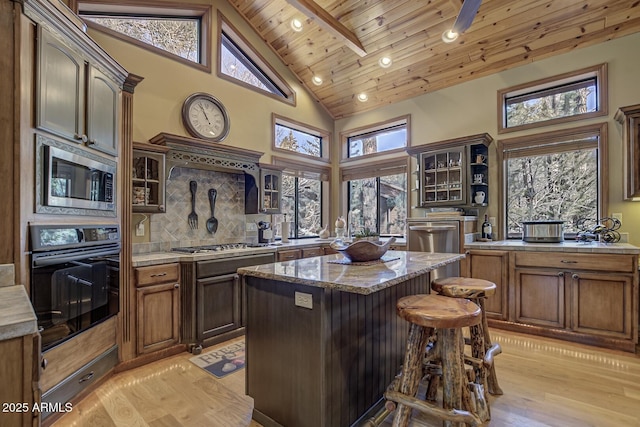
{"x": 86, "y": 377}
{"x": 176, "y": 286}
{"x": 82, "y": 137}
{"x": 159, "y": 274}
{"x": 560, "y": 273}
{"x": 564, "y": 261}
{"x": 91, "y": 142}
{"x": 575, "y": 277}
{"x": 44, "y": 363}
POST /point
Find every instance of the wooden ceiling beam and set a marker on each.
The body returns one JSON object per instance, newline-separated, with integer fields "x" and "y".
{"x": 313, "y": 11}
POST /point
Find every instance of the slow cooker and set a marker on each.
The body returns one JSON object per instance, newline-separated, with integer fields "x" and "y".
{"x": 549, "y": 231}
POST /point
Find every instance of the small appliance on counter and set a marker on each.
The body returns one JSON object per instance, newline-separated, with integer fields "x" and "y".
{"x": 544, "y": 231}
{"x": 264, "y": 232}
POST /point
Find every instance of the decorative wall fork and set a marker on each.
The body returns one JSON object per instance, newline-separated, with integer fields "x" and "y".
{"x": 193, "y": 216}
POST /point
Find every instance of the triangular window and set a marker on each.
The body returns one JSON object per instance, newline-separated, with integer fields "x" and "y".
{"x": 238, "y": 62}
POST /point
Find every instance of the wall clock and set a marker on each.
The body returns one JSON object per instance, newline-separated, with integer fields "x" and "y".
{"x": 205, "y": 117}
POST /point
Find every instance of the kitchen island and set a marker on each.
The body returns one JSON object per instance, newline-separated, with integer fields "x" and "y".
{"x": 323, "y": 340}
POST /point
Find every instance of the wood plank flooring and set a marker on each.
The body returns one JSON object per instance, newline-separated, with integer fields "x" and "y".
{"x": 546, "y": 382}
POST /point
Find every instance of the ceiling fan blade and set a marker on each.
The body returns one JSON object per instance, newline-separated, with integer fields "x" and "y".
{"x": 465, "y": 17}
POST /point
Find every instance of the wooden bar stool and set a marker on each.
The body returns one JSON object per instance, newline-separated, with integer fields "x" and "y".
{"x": 447, "y": 316}
{"x": 476, "y": 290}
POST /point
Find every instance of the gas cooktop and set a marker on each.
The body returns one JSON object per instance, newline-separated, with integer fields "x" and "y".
{"x": 217, "y": 248}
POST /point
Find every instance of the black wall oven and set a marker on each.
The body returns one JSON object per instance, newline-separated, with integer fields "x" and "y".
{"x": 74, "y": 278}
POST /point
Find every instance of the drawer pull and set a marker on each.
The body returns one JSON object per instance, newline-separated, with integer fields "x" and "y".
{"x": 176, "y": 286}
{"x": 560, "y": 273}
{"x": 575, "y": 277}
{"x": 159, "y": 274}
{"x": 564, "y": 261}
{"x": 86, "y": 377}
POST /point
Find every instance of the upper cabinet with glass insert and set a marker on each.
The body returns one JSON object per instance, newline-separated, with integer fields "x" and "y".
{"x": 265, "y": 194}
{"x": 453, "y": 172}
{"x": 148, "y": 178}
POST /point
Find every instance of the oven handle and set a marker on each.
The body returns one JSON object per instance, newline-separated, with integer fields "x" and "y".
{"x": 63, "y": 258}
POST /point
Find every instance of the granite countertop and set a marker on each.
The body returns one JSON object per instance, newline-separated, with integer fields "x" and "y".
{"x": 566, "y": 246}
{"x": 359, "y": 279}
{"x": 156, "y": 258}
{"x": 17, "y": 317}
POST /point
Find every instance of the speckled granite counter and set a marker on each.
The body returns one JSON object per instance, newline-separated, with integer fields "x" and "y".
{"x": 318, "y": 332}
{"x": 359, "y": 279}
{"x": 17, "y": 317}
{"x": 566, "y": 246}
{"x": 155, "y": 258}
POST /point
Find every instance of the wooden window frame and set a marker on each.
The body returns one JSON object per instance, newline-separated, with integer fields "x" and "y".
{"x": 156, "y": 8}
{"x": 345, "y": 135}
{"x": 294, "y": 124}
{"x": 598, "y": 71}
{"x": 530, "y": 142}
{"x": 264, "y": 66}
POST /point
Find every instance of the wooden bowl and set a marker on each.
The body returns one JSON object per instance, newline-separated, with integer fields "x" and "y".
{"x": 363, "y": 250}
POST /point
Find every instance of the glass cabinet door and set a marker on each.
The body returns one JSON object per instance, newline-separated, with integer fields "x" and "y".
{"x": 442, "y": 174}
{"x": 271, "y": 182}
{"x": 148, "y": 182}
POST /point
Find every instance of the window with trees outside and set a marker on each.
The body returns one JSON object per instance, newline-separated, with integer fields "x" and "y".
{"x": 573, "y": 96}
{"x": 299, "y": 138}
{"x": 377, "y": 198}
{"x": 177, "y": 33}
{"x": 240, "y": 63}
{"x": 382, "y": 138}
{"x": 304, "y": 198}
{"x": 555, "y": 176}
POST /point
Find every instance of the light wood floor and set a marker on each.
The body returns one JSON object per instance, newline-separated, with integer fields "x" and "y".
{"x": 545, "y": 382}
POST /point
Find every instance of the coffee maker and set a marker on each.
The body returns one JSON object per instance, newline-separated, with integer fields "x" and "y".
{"x": 264, "y": 232}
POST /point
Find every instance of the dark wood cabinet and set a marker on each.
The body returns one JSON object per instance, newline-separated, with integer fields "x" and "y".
{"x": 629, "y": 117}
{"x": 264, "y": 195}
{"x": 218, "y": 307}
{"x": 76, "y": 100}
{"x": 453, "y": 172}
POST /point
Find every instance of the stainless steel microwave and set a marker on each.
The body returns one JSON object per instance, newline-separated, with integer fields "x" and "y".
{"x": 74, "y": 180}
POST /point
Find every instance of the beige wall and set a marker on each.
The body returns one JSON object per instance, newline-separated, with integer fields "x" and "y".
{"x": 465, "y": 109}
{"x": 470, "y": 108}
{"x": 158, "y": 98}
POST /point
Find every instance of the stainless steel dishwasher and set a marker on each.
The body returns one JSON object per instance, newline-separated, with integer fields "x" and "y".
{"x": 435, "y": 236}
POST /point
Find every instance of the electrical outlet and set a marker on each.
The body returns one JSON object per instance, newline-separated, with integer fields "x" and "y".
{"x": 617, "y": 215}
{"x": 304, "y": 300}
{"x": 140, "y": 230}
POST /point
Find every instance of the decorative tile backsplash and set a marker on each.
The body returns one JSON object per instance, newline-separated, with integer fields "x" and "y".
{"x": 171, "y": 229}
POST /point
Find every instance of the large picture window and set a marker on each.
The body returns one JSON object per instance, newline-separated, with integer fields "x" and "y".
{"x": 305, "y": 201}
{"x": 377, "y": 197}
{"x": 572, "y": 96}
{"x": 555, "y": 176}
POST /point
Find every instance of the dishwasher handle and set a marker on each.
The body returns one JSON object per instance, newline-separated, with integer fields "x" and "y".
{"x": 432, "y": 228}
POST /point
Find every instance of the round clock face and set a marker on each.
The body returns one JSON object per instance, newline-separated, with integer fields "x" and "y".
{"x": 205, "y": 117}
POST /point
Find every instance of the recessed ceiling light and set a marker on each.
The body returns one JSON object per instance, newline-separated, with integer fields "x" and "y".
{"x": 385, "y": 62}
{"x": 363, "y": 97}
{"x": 317, "y": 80}
{"x": 296, "y": 25}
{"x": 449, "y": 36}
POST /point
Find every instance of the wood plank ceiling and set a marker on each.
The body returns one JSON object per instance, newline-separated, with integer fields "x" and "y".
{"x": 504, "y": 34}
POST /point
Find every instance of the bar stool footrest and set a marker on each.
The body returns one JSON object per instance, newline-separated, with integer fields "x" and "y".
{"x": 453, "y": 415}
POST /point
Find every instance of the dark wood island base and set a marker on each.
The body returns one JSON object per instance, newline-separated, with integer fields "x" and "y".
{"x": 323, "y": 340}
